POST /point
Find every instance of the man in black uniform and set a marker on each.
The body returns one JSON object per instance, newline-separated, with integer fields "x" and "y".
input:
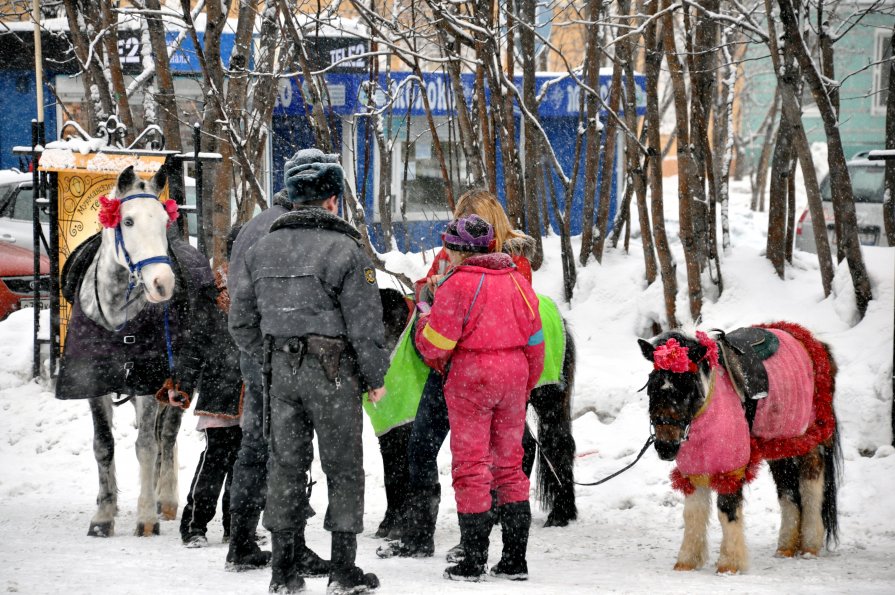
{"x": 249, "y": 487}
{"x": 308, "y": 306}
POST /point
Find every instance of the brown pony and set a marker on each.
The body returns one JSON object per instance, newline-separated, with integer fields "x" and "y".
{"x": 719, "y": 406}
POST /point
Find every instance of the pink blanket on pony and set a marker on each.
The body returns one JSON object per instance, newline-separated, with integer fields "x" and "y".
{"x": 796, "y": 416}
{"x": 788, "y": 409}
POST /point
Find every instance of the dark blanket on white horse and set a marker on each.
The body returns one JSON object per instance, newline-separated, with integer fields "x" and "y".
{"x": 133, "y": 360}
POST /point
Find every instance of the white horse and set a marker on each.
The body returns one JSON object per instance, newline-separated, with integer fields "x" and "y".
{"x": 131, "y": 269}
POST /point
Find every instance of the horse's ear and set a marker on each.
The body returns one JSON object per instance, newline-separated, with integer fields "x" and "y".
{"x": 126, "y": 179}
{"x": 158, "y": 181}
{"x": 646, "y": 348}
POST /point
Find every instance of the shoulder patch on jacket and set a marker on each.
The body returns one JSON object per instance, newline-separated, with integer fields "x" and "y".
{"x": 370, "y": 275}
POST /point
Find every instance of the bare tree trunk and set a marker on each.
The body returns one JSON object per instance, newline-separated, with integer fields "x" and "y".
{"x": 685, "y": 168}
{"x": 701, "y": 61}
{"x": 474, "y": 165}
{"x": 96, "y": 89}
{"x": 634, "y": 165}
{"x": 318, "y": 120}
{"x": 532, "y": 144}
{"x": 770, "y": 127}
{"x": 653, "y": 43}
{"x": 781, "y": 166}
{"x": 840, "y": 181}
{"x": 889, "y": 202}
{"x": 790, "y": 212}
{"x": 164, "y": 97}
{"x": 110, "y": 40}
{"x": 593, "y": 129}
{"x": 608, "y": 162}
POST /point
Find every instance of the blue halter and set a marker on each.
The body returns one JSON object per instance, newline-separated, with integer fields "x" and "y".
{"x": 136, "y": 275}
{"x": 136, "y": 268}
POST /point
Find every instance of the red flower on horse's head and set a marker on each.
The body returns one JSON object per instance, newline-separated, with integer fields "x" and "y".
{"x": 672, "y": 356}
{"x": 711, "y": 348}
{"x": 171, "y": 209}
{"x": 109, "y": 211}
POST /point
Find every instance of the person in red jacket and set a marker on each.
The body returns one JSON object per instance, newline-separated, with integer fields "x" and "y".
{"x": 484, "y": 335}
{"x": 483, "y": 203}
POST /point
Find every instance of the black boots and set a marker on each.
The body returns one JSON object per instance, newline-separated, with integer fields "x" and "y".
{"x": 292, "y": 561}
{"x": 284, "y": 578}
{"x": 392, "y": 525}
{"x": 474, "y": 531}
{"x": 418, "y": 539}
{"x": 345, "y": 577}
{"x": 515, "y": 521}
{"x": 244, "y": 553}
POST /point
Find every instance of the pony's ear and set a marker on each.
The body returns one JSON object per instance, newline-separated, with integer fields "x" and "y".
{"x": 646, "y": 348}
{"x": 126, "y": 179}
{"x": 158, "y": 181}
{"x": 696, "y": 353}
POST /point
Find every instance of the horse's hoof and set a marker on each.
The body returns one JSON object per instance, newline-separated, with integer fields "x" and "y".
{"x": 556, "y": 521}
{"x": 101, "y": 529}
{"x": 809, "y": 553}
{"x": 684, "y": 566}
{"x": 167, "y": 512}
{"x": 147, "y": 529}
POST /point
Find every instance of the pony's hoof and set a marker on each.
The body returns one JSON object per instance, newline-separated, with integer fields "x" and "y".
{"x": 105, "y": 529}
{"x": 684, "y": 566}
{"x": 167, "y": 511}
{"x": 809, "y": 553}
{"x": 727, "y": 569}
{"x": 147, "y": 529}
{"x": 785, "y": 552}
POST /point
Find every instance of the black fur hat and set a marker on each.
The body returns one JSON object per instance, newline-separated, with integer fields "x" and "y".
{"x": 312, "y": 175}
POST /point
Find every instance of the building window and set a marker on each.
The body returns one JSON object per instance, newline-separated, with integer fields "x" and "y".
{"x": 883, "y": 57}
{"x": 425, "y": 190}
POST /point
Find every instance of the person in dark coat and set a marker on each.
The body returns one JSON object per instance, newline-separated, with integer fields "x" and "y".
{"x": 307, "y": 305}
{"x": 248, "y": 489}
{"x": 218, "y": 408}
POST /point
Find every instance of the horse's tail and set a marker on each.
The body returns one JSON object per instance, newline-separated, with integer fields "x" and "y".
{"x": 556, "y": 457}
{"x": 832, "y": 472}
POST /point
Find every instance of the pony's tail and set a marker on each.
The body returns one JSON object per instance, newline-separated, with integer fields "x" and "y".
{"x": 832, "y": 478}
{"x": 556, "y": 457}
{"x": 832, "y": 470}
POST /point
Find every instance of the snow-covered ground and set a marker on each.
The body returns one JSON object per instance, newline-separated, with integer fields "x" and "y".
{"x": 629, "y": 530}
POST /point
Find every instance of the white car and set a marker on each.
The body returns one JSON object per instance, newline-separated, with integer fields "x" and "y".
{"x": 16, "y": 198}
{"x": 867, "y": 180}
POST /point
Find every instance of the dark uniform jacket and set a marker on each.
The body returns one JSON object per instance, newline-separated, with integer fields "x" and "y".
{"x": 252, "y": 231}
{"x": 97, "y": 361}
{"x": 310, "y": 276}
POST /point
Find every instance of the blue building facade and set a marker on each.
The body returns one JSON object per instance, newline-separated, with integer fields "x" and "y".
{"x": 403, "y": 124}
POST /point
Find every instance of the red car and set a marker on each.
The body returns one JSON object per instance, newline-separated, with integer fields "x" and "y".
{"x": 17, "y": 279}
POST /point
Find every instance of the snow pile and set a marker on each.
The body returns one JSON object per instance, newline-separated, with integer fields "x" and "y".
{"x": 629, "y": 530}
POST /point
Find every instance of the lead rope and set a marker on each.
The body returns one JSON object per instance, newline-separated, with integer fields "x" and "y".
{"x": 649, "y": 442}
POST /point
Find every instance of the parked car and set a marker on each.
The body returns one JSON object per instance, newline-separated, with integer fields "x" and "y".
{"x": 867, "y": 180}
{"x": 16, "y": 198}
{"x": 17, "y": 279}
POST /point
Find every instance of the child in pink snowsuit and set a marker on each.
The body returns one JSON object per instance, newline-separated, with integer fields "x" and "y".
{"x": 484, "y": 334}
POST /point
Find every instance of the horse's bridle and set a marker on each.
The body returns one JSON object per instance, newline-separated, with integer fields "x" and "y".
{"x": 135, "y": 269}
